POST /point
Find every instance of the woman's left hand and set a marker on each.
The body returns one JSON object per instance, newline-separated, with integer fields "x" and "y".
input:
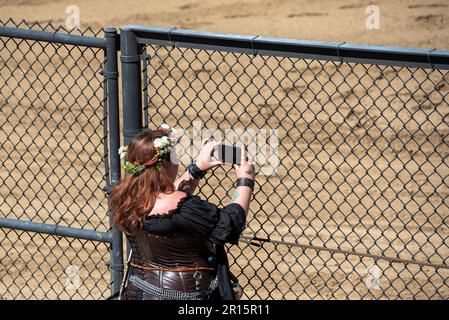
{"x": 204, "y": 161}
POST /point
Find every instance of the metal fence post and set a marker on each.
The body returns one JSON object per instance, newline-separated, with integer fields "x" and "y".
{"x": 131, "y": 88}
{"x": 111, "y": 73}
{"x": 131, "y": 84}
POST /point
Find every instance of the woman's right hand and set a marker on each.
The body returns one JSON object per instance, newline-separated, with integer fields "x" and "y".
{"x": 246, "y": 168}
{"x": 204, "y": 161}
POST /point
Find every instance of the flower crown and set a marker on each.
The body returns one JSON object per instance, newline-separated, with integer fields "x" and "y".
{"x": 163, "y": 147}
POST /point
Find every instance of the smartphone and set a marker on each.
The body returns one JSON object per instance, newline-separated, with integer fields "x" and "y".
{"x": 228, "y": 154}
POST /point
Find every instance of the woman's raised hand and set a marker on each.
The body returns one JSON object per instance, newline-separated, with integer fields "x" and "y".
{"x": 204, "y": 161}
{"x": 246, "y": 168}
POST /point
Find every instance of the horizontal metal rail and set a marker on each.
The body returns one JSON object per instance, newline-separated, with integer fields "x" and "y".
{"x": 345, "y": 52}
{"x": 250, "y": 240}
{"x": 55, "y": 37}
{"x": 55, "y": 230}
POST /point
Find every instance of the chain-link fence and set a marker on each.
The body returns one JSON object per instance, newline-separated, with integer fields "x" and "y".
{"x": 352, "y": 196}
{"x": 54, "y": 160}
{"x": 357, "y": 202}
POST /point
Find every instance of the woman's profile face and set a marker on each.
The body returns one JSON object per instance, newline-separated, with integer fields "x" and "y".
{"x": 171, "y": 164}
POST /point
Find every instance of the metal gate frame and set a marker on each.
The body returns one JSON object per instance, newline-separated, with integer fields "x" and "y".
{"x": 110, "y": 46}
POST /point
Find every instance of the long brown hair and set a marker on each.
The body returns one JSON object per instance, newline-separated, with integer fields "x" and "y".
{"x": 134, "y": 196}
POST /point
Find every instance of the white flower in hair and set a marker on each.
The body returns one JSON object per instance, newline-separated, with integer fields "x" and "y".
{"x": 165, "y": 126}
{"x": 172, "y": 136}
{"x": 161, "y": 142}
{"x": 122, "y": 151}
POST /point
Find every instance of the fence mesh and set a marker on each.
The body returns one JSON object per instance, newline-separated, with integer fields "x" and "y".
{"x": 357, "y": 202}
{"x": 52, "y": 135}
{"x": 352, "y": 202}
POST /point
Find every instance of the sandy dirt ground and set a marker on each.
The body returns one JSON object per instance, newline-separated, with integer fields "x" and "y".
{"x": 409, "y": 23}
{"x": 363, "y": 158}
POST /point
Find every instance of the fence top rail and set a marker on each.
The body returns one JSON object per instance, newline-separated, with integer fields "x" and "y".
{"x": 320, "y": 50}
{"x": 55, "y": 37}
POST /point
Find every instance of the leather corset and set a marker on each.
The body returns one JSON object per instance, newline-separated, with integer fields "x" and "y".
{"x": 171, "y": 251}
{"x": 177, "y": 250}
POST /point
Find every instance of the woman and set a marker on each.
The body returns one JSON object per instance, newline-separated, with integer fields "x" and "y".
{"x": 177, "y": 239}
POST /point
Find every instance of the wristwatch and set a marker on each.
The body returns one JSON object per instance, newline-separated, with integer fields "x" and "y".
{"x": 195, "y": 172}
